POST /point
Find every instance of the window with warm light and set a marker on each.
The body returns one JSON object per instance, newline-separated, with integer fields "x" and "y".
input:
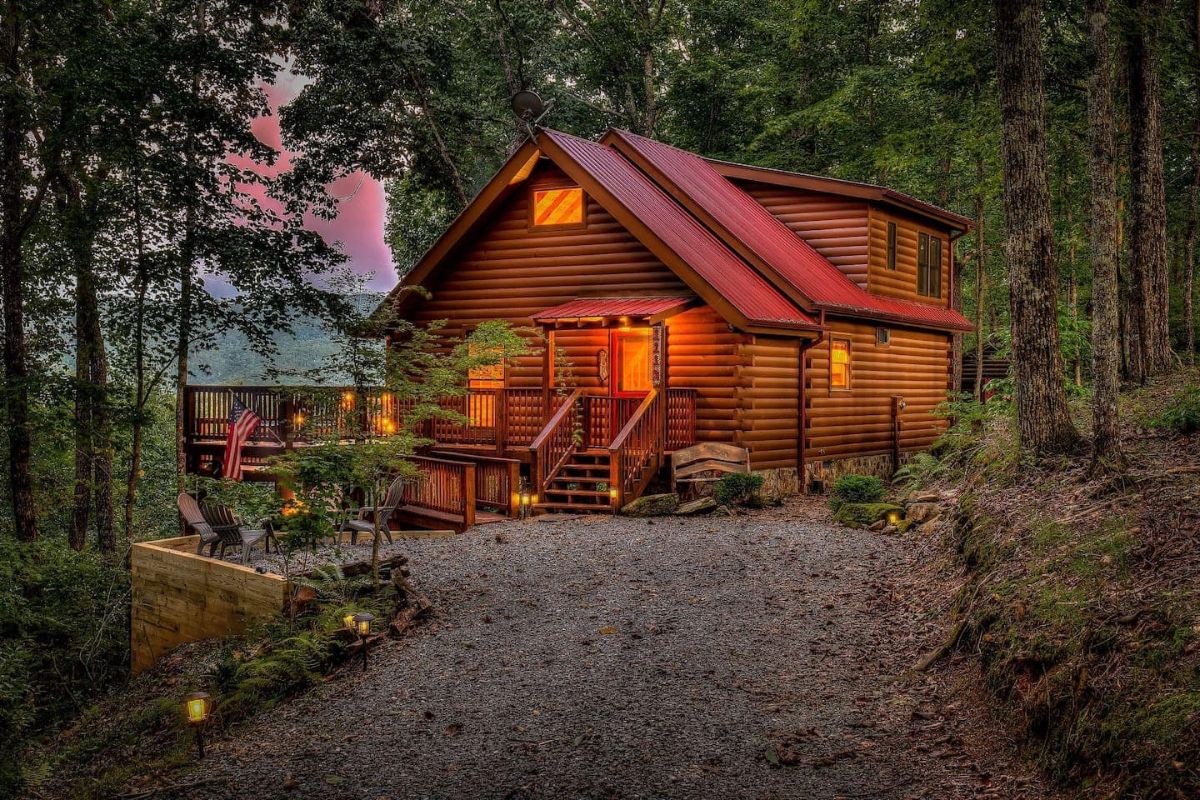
{"x": 484, "y": 382}
{"x": 634, "y": 355}
{"x": 558, "y": 207}
{"x": 839, "y": 364}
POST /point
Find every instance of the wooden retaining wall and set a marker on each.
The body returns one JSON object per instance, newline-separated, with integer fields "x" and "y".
{"x": 180, "y": 597}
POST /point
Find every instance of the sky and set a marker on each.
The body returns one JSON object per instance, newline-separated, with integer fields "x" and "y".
{"x": 358, "y": 227}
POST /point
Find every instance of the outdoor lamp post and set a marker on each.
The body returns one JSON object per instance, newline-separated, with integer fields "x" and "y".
{"x": 362, "y": 624}
{"x": 196, "y": 705}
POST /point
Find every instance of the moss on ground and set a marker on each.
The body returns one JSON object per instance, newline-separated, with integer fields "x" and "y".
{"x": 861, "y": 515}
{"x": 1083, "y": 605}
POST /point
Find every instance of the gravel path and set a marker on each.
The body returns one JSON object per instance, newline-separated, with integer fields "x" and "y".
{"x": 599, "y": 657}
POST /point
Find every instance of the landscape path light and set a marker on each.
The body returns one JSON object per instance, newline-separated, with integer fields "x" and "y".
{"x": 362, "y": 624}
{"x": 197, "y": 707}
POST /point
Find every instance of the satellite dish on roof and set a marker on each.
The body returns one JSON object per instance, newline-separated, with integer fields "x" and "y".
{"x": 527, "y": 105}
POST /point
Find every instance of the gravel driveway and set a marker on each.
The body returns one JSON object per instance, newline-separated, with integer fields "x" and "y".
{"x": 596, "y": 657}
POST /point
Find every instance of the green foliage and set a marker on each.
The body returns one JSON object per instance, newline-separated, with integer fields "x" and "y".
{"x": 252, "y": 502}
{"x": 738, "y": 488}
{"x": 856, "y": 489}
{"x": 1182, "y": 415}
{"x": 64, "y": 638}
{"x": 863, "y": 514}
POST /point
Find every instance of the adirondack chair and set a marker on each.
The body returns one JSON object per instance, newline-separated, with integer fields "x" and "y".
{"x": 696, "y": 464}
{"x": 362, "y": 520}
{"x": 232, "y": 533}
{"x": 189, "y": 509}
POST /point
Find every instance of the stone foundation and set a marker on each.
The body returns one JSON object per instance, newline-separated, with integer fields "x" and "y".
{"x": 820, "y": 475}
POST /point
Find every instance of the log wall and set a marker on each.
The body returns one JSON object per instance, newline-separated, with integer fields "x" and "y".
{"x": 703, "y": 354}
{"x": 902, "y": 281}
{"x": 180, "y": 597}
{"x": 770, "y": 396}
{"x": 836, "y": 227}
{"x": 857, "y": 421}
{"x": 511, "y": 272}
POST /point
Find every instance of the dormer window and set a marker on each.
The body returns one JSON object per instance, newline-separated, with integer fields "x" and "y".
{"x": 558, "y": 208}
{"x": 929, "y": 266}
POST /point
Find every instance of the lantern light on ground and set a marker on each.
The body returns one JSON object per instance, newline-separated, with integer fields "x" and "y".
{"x": 362, "y": 624}
{"x": 197, "y": 706}
{"x": 524, "y": 501}
{"x": 894, "y": 517}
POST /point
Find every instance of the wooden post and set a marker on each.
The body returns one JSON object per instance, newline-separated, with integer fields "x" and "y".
{"x": 286, "y": 430}
{"x": 615, "y": 488}
{"x": 469, "y": 495}
{"x": 897, "y": 407}
{"x": 500, "y": 419}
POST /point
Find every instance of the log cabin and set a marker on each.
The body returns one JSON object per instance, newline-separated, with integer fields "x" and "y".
{"x": 806, "y": 319}
{"x": 676, "y": 300}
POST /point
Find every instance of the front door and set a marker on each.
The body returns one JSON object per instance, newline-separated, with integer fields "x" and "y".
{"x": 633, "y": 360}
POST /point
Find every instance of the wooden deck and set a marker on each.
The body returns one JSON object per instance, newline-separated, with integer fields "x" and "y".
{"x": 474, "y": 473}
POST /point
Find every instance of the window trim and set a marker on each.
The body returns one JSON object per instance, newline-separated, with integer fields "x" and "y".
{"x": 849, "y": 363}
{"x": 562, "y": 226}
{"x": 891, "y": 245}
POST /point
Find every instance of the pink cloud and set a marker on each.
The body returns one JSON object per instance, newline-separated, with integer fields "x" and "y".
{"x": 362, "y": 205}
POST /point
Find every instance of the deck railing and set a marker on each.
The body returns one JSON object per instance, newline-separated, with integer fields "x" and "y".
{"x": 557, "y": 440}
{"x": 636, "y": 448}
{"x": 445, "y": 486}
{"x": 497, "y": 480}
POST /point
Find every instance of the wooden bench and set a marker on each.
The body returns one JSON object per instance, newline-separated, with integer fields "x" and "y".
{"x": 693, "y": 465}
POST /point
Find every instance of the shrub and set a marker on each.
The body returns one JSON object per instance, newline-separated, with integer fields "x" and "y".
{"x": 738, "y": 488}
{"x": 1182, "y": 415}
{"x": 856, "y": 489}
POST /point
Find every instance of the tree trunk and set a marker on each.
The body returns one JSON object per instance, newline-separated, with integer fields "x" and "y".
{"x": 1043, "y": 422}
{"x": 1148, "y": 247}
{"x": 980, "y": 275}
{"x": 16, "y": 215}
{"x": 183, "y": 343}
{"x": 1189, "y": 265}
{"x": 1106, "y": 358}
{"x": 139, "y": 367}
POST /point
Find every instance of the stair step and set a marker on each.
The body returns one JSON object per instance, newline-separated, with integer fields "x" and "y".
{"x": 578, "y": 492}
{"x": 585, "y": 467}
{"x": 572, "y": 507}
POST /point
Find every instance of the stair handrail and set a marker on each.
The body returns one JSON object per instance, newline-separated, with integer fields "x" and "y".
{"x": 539, "y": 450}
{"x": 621, "y": 480}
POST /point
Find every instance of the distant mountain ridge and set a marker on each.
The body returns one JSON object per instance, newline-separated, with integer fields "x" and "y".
{"x": 234, "y": 362}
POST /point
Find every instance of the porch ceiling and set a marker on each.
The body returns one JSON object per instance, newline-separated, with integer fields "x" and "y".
{"x": 653, "y": 308}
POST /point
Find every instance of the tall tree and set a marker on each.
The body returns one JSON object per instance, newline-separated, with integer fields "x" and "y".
{"x": 1148, "y": 207}
{"x": 1043, "y": 422}
{"x": 1106, "y": 357}
{"x": 1193, "y": 207}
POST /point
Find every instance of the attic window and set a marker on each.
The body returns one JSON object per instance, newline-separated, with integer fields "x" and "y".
{"x": 883, "y": 336}
{"x": 557, "y": 208}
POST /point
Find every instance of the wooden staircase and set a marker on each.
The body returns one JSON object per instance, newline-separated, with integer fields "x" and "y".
{"x": 580, "y": 485}
{"x": 573, "y": 472}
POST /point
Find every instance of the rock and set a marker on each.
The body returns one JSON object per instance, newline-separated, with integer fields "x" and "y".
{"x": 701, "y": 505}
{"x": 890, "y": 530}
{"x": 652, "y": 505}
{"x": 927, "y": 497}
{"x": 878, "y": 525}
{"x": 918, "y": 513}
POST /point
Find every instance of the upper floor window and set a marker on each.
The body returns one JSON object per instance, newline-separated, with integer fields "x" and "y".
{"x": 557, "y": 207}
{"x": 839, "y": 363}
{"x": 891, "y": 245}
{"x": 929, "y": 265}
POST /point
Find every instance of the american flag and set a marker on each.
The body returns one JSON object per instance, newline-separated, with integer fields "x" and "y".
{"x": 242, "y": 424}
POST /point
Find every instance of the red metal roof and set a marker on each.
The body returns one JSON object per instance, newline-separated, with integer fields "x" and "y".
{"x": 591, "y": 307}
{"x": 735, "y": 280}
{"x": 752, "y": 226}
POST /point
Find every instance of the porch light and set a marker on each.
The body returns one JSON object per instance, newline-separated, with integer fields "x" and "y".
{"x": 362, "y": 624}
{"x": 196, "y": 706}
{"x": 298, "y": 420}
{"x": 347, "y": 399}
{"x": 387, "y": 426}
{"x": 612, "y": 493}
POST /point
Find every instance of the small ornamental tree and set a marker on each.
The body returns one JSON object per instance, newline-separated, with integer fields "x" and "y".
{"x": 363, "y": 453}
